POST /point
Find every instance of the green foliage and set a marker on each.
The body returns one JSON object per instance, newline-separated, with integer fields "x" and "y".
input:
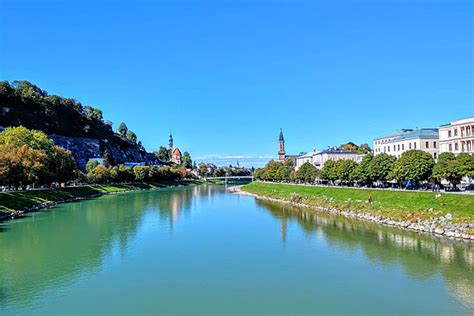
{"x": 122, "y": 129}
{"x": 29, "y": 157}
{"x": 93, "y": 113}
{"x": 276, "y": 171}
{"x": 329, "y": 171}
{"x": 362, "y": 172}
{"x": 362, "y": 149}
{"x": 380, "y": 167}
{"x": 413, "y": 165}
{"x": 131, "y": 136}
{"x": 186, "y": 161}
{"x": 452, "y": 168}
{"x": 344, "y": 169}
{"x": 307, "y": 172}
{"x": 91, "y": 164}
{"x": 162, "y": 154}
{"x": 108, "y": 158}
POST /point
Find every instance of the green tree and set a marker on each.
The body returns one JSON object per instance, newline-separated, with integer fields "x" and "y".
{"x": 364, "y": 149}
{"x": 186, "y": 160}
{"x": 466, "y": 164}
{"x": 108, "y": 159}
{"x": 413, "y": 165}
{"x": 93, "y": 113}
{"x": 329, "y": 171}
{"x": 344, "y": 169}
{"x": 140, "y": 173}
{"x": 131, "y": 136}
{"x": 381, "y": 166}
{"x": 203, "y": 170}
{"x": 307, "y": 172}
{"x": 91, "y": 164}
{"x": 162, "y": 154}
{"x": 362, "y": 172}
{"x": 122, "y": 129}
{"x": 62, "y": 166}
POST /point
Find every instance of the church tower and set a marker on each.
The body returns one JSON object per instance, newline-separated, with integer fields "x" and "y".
{"x": 170, "y": 143}
{"x": 281, "y": 147}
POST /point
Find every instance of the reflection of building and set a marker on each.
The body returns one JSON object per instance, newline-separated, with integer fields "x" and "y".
{"x": 457, "y": 137}
{"x": 425, "y": 139}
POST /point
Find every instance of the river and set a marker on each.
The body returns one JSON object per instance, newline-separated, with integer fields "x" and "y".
{"x": 203, "y": 250}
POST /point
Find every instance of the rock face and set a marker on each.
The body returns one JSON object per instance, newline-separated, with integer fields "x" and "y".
{"x": 84, "y": 148}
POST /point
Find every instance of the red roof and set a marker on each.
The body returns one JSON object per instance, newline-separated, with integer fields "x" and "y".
{"x": 176, "y": 152}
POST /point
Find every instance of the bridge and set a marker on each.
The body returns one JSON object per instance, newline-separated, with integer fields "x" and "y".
{"x": 227, "y": 178}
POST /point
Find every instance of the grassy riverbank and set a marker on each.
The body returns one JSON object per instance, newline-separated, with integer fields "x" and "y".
{"x": 11, "y": 202}
{"x": 397, "y": 205}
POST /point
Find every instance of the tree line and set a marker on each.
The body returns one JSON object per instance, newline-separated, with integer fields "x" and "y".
{"x": 413, "y": 166}
{"x": 28, "y": 158}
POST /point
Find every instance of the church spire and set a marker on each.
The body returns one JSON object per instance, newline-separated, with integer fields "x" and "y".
{"x": 281, "y": 147}
{"x": 170, "y": 143}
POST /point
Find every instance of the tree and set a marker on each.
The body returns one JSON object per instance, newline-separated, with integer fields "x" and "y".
{"x": 62, "y": 167}
{"x": 140, "y": 173}
{"x": 344, "y": 169}
{"x": 122, "y": 129}
{"x": 307, "y": 172}
{"x": 91, "y": 164}
{"x": 19, "y": 136}
{"x": 413, "y": 165}
{"x": 100, "y": 174}
{"x": 186, "y": 160}
{"x": 108, "y": 159}
{"x": 381, "y": 166}
{"x": 131, "y": 136}
{"x": 329, "y": 171}
{"x": 466, "y": 164}
{"x": 364, "y": 149}
{"x": 203, "y": 170}
{"x": 350, "y": 146}
{"x": 93, "y": 113}
{"x": 162, "y": 154}
{"x": 362, "y": 172}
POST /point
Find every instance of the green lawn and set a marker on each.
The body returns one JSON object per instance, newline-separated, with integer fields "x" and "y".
{"x": 15, "y": 201}
{"x": 398, "y": 205}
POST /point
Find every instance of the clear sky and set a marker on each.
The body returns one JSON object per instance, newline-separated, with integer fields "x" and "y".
{"x": 224, "y": 76}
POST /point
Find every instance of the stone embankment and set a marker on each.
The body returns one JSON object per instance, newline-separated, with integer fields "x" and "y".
{"x": 442, "y": 226}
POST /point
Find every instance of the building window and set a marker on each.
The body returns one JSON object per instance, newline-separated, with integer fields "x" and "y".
{"x": 434, "y": 144}
{"x": 394, "y": 148}
{"x": 450, "y": 146}
{"x": 403, "y": 146}
{"x": 388, "y": 148}
{"x": 409, "y": 146}
{"x": 449, "y": 133}
{"x": 427, "y": 144}
{"x": 435, "y": 156}
{"x": 456, "y": 146}
{"x": 414, "y": 145}
{"x": 455, "y": 132}
{"x": 398, "y": 147}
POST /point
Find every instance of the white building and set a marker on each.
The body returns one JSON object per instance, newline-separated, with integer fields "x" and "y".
{"x": 318, "y": 159}
{"x": 457, "y": 137}
{"x": 425, "y": 139}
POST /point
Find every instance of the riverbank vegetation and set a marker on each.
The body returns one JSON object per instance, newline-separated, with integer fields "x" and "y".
{"x": 12, "y": 202}
{"x": 397, "y": 205}
{"x": 411, "y": 169}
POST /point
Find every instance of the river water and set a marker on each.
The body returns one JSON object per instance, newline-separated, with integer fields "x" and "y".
{"x": 203, "y": 250}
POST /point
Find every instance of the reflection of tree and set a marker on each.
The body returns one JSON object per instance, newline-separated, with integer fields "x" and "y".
{"x": 55, "y": 246}
{"x": 421, "y": 256}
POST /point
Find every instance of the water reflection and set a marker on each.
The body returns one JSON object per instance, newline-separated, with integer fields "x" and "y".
{"x": 54, "y": 247}
{"x": 421, "y": 256}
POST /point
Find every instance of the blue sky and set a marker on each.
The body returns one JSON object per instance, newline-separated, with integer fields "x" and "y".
{"x": 224, "y": 76}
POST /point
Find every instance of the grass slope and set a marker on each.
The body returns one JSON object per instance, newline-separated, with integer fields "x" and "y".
{"x": 17, "y": 201}
{"x": 398, "y": 205}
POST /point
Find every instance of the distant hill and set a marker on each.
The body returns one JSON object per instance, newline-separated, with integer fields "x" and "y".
{"x": 78, "y": 128}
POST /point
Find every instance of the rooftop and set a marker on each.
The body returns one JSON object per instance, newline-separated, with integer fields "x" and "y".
{"x": 424, "y": 133}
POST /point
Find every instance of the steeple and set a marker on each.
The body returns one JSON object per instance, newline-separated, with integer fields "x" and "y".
{"x": 281, "y": 147}
{"x": 170, "y": 142}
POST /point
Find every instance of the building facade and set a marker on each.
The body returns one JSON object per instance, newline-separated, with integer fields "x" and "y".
{"x": 457, "y": 137}
{"x": 281, "y": 147}
{"x": 319, "y": 158}
{"x": 425, "y": 139}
